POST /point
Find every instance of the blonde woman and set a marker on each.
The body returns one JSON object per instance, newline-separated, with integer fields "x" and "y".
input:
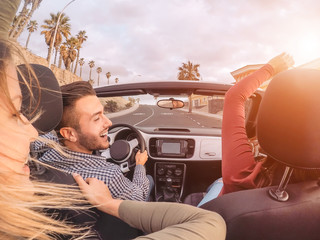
{"x": 22, "y": 200}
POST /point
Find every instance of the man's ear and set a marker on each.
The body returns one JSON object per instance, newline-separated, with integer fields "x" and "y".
{"x": 68, "y": 133}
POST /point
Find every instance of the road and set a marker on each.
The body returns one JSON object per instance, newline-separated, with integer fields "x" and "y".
{"x": 148, "y": 116}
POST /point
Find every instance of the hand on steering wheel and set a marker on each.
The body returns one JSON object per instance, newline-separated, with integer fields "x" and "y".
{"x": 124, "y": 153}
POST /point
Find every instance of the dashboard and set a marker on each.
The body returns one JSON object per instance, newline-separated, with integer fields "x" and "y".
{"x": 175, "y": 147}
{"x": 175, "y": 158}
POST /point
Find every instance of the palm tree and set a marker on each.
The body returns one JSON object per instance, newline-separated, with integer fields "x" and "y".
{"x": 32, "y": 27}
{"x": 81, "y": 36}
{"x": 91, "y": 65}
{"x": 17, "y": 30}
{"x": 73, "y": 43}
{"x": 71, "y": 53}
{"x": 62, "y": 30}
{"x": 99, "y": 70}
{"x": 189, "y": 71}
{"x": 116, "y": 80}
{"x": 63, "y": 51}
{"x": 18, "y": 20}
{"x": 81, "y": 62}
{"x": 108, "y": 75}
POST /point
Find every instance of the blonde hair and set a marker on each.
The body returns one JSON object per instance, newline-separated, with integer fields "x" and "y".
{"x": 22, "y": 206}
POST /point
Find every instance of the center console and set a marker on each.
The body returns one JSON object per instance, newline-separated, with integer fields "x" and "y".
{"x": 169, "y": 181}
{"x": 169, "y": 174}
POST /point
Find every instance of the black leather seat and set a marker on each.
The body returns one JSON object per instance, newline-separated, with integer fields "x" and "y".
{"x": 288, "y": 130}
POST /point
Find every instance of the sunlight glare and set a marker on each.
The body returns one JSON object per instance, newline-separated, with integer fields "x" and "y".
{"x": 308, "y": 49}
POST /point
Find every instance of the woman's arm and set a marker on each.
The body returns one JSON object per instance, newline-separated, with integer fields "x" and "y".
{"x": 239, "y": 168}
{"x": 161, "y": 220}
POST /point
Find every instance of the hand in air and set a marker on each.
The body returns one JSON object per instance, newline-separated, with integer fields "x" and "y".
{"x": 281, "y": 62}
{"x": 141, "y": 158}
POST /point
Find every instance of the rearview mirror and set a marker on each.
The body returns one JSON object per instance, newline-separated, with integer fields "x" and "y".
{"x": 170, "y": 103}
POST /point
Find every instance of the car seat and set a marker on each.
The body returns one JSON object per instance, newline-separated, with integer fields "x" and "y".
{"x": 48, "y": 100}
{"x": 288, "y": 130}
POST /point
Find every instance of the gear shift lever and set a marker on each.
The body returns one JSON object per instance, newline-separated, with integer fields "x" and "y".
{"x": 169, "y": 183}
{"x": 169, "y": 193}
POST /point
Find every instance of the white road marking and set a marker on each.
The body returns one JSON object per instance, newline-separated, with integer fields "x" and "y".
{"x": 138, "y": 114}
{"x": 196, "y": 122}
{"x": 166, "y": 113}
{"x": 146, "y": 118}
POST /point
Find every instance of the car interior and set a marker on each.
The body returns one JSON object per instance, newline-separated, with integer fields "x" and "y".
{"x": 185, "y": 159}
{"x": 184, "y": 149}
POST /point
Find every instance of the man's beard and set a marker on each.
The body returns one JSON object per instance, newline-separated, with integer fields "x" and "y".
{"x": 91, "y": 143}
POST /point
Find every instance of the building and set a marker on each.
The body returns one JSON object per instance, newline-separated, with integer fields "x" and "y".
{"x": 241, "y": 73}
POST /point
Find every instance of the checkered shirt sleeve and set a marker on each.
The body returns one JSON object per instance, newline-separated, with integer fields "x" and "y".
{"x": 92, "y": 166}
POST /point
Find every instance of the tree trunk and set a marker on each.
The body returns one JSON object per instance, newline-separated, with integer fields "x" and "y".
{"x": 49, "y": 53}
{"x": 55, "y": 55}
{"x": 27, "y": 42}
{"x": 72, "y": 65}
{"x": 80, "y": 71}
{"x": 60, "y": 61}
{"x": 68, "y": 64}
{"x": 77, "y": 61}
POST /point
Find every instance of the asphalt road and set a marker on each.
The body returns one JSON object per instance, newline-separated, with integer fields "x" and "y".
{"x": 148, "y": 116}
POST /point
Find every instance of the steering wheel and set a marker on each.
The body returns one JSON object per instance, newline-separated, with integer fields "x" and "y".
{"x": 123, "y": 152}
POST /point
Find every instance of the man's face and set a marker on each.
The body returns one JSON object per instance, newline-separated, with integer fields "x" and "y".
{"x": 93, "y": 124}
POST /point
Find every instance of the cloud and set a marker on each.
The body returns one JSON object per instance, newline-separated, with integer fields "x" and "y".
{"x": 152, "y": 39}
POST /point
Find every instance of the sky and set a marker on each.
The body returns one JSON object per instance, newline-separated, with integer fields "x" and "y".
{"x": 143, "y": 40}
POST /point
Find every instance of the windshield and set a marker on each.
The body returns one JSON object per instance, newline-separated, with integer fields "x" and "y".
{"x": 142, "y": 111}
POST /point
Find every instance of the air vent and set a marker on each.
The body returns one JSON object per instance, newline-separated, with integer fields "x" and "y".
{"x": 171, "y": 130}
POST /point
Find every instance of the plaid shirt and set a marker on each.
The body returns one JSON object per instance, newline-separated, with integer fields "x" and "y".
{"x": 93, "y": 166}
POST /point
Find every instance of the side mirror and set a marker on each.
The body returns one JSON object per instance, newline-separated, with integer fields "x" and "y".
{"x": 170, "y": 103}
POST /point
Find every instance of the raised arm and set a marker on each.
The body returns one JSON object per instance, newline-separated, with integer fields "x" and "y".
{"x": 239, "y": 168}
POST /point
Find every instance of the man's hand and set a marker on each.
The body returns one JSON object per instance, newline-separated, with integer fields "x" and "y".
{"x": 281, "y": 62}
{"x": 98, "y": 194}
{"x": 141, "y": 158}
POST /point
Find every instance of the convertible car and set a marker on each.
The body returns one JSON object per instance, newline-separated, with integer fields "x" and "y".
{"x": 179, "y": 123}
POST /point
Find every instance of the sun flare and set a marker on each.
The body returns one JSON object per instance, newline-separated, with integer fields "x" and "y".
{"x": 308, "y": 49}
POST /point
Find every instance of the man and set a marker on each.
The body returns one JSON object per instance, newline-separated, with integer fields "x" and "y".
{"x": 83, "y": 130}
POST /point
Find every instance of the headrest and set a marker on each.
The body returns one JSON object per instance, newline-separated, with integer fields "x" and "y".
{"x": 288, "y": 124}
{"x": 47, "y": 99}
